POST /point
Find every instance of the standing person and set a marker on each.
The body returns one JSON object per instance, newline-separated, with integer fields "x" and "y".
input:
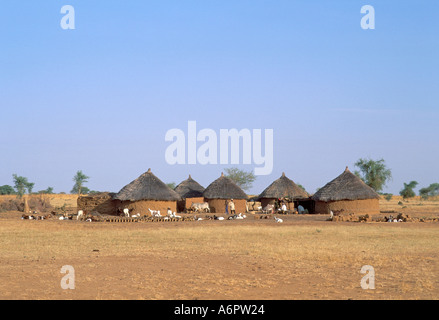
{"x": 232, "y": 207}
{"x": 227, "y": 207}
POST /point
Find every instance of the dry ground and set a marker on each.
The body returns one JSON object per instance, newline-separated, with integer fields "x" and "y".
{"x": 306, "y": 257}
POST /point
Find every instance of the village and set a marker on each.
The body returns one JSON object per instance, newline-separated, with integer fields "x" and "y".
{"x": 345, "y": 198}
{"x": 219, "y": 150}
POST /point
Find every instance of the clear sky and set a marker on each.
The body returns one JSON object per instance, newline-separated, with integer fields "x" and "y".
{"x": 101, "y": 98}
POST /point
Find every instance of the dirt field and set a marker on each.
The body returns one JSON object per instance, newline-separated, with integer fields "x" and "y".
{"x": 306, "y": 257}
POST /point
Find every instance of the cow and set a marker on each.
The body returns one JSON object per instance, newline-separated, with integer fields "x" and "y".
{"x": 268, "y": 209}
{"x": 200, "y": 207}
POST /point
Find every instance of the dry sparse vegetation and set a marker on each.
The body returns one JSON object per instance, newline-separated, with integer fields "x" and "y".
{"x": 303, "y": 258}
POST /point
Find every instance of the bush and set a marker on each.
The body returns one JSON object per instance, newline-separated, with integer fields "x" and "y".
{"x": 408, "y": 192}
{"x": 6, "y": 190}
{"x": 431, "y": 191}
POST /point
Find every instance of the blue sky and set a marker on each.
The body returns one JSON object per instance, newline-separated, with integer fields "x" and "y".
{"x": 101, "y": 98}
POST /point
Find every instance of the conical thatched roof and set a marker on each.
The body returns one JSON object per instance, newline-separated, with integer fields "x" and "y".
{"x": 147, "y": 187}
{"x": 189, "y": 188}
{"x": 346, "y": 186}
{"x": 284, "y": 188}
{"x": 224, "y": 188}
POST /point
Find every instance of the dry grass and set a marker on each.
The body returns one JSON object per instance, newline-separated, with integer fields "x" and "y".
{"x": 252, "y": 259}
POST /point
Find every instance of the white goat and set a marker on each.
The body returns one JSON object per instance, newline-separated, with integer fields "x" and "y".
{"x": 126, "y": 212}
{"x": 80, "y": 215}
{"x": 174, "y": 215}
{"x": 154, "y": 213}
{"x": 278, "y": 220}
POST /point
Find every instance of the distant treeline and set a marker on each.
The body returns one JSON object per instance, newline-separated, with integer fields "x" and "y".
{"x": 23, "y": 186}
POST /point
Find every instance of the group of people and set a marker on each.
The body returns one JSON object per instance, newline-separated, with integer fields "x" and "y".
{"x": 281, "y": 205}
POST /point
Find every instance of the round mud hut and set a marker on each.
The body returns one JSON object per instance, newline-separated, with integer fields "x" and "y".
{"x": 346, "y": 194}
{"x": 190, "y": 191}
{"x": 219, "y": 193}
{"x": 147, "y": 192}
{"x": 285, "y": 188}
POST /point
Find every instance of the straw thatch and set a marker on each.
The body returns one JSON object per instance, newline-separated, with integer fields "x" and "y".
{"x": 189, "y": 188}
{"x": 147, "y": 187}
{"x": 284, "y": 188}
{"x": 346, "y": 186}
{"x": 224, "y": 188}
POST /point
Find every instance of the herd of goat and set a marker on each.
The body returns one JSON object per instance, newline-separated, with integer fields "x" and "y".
{"x": 196, "y": 208}
{"x": 154, "y": 214}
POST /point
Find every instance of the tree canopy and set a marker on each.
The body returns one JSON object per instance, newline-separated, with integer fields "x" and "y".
{"x": 430, "y": 191}
{"x": 374, "y": 173}
{"x": 408, "y": 192}
{"x": 80, "y": 179}
{"x": 6, "y": 189}
{"x": 171, "y": 185}
{"x": 21, "y": 184}
{"x": 242, "y": 178}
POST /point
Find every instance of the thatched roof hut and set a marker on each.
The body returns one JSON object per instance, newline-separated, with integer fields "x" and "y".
{"x": 284, "y": 188}
{"x": 148, "y": 191}
{"x": 191, "y": 192}
{"x": 189, "y": 188}
{"x": 346, "y": 186}
{"x": 346, "y": 193}
{"x": 223, "y": 189}
{"x": 147, "y": 187}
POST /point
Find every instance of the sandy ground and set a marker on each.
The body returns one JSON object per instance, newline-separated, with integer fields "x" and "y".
{"x": 306, "y": 257}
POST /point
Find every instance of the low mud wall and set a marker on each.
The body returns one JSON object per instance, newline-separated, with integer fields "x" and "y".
{"x": 68, "y": 201}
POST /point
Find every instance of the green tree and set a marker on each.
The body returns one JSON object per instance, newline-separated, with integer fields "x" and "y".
{"x": 49, "y": 190}
{"x": 171, "y": 185}
{"x": 6, "y": 189}
{"x": 30, "y": 187}
{"x": 430, "y": 191}
{"x": 374, "y": 173}
{"x": 388, "y": 196}
{"x": 80, "y": 179}
{"x": 408, "y": 192}
{"x": 21, "y": 184}
{"x": 242, "y": 178}
{"x": 84, "y": 190}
